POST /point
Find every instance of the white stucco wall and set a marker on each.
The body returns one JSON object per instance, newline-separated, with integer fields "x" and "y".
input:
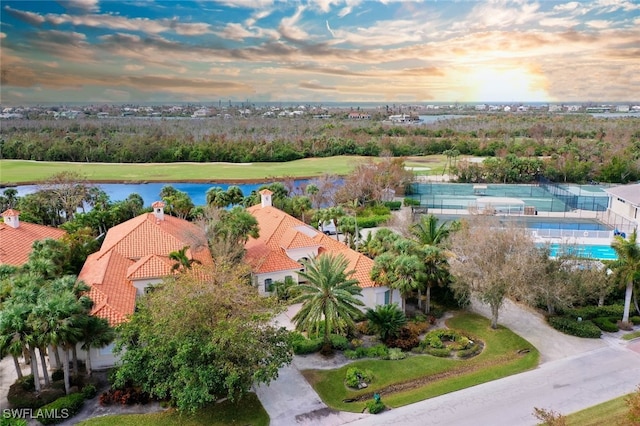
{"x": 101, "y": 359}
{"x": 373, "y": 296}
{"x": 140, "y": 285}
{"x": 259, "y": 279}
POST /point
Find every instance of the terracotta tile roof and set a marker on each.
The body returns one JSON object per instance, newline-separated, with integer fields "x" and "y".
{"x": 280, "y": 231}
{"x": 150, "y": 266}
{"x": 16, "y": 243}
{"x": 138, "y": 249}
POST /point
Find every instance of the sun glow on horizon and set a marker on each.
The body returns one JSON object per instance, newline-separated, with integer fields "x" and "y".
{"x": 499, "y": 84}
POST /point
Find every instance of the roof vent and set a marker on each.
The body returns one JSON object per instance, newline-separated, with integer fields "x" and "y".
{"x": 11, "y": 218}
{"x": 158, "y": 211}
{"x": 265, "y": 198}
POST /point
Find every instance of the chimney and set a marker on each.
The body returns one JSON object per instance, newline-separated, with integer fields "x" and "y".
{"x": 158, "y": 210}
{"x": 265, "y": 198}
{"x": 11, "y": 218}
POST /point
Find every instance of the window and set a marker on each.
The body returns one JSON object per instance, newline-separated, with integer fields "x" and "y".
{"x": 107, "y": 350}
{"x": 387, "y": 297}
{"x": 268, "y": 285}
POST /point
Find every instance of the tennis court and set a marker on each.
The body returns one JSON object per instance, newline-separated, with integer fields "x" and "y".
{"x": 547, "y": 197}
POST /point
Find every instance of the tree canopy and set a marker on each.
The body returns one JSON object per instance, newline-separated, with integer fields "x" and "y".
{"x": 193, "y": 342}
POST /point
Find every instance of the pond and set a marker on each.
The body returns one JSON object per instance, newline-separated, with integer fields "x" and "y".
{"x": 150, "y": 191}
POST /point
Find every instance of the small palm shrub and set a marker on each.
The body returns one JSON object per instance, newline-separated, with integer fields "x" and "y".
{"x": 386, "y": 321}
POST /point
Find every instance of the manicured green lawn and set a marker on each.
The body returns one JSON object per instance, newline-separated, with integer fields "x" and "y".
{"x": 249, "y": 411}
{"x": 612, "y": 412}
{"x": 19, "y": 171}
{"x": 22, "y": 171}
{"x": 500, "y": 358}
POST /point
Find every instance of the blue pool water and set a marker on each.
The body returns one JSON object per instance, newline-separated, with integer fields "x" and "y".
{"x": 572, "y": 226}
{"x": 586, "y": 250}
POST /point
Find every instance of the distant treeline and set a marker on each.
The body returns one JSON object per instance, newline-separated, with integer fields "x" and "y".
{"x": 574, "y": 148}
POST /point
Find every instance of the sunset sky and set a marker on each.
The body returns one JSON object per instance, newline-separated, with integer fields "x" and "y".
{"x": 319, "y": 51}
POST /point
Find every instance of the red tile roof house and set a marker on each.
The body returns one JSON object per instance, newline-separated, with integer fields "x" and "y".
{"x": 134, "y": 255}
{"x": 284, "y": 241}
{"x": 16, "y": 238}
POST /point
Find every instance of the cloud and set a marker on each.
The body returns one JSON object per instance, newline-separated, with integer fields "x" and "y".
{"x": 247, "y": 4}
{"x": 598, "y": 24}
{"x": 315, "y": 85}
{"x": 329, "y": 29}
{"x": 289, "y": 27}
{"x": 133, "y": 67}
{"x": 30, "y": 18}
{"x": 80, "y": 5}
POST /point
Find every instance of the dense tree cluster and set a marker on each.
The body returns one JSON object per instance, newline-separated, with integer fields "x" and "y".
{"x": 574, "y": 147}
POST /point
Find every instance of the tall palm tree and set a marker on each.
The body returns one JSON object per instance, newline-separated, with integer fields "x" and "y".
{"x": 407, "y": 274}
{"x": 96, "y": 333}
{"x": 217, "y": 197}
{"x": 381, "y": 272}
{"x": 328, "y": 296}
{"x": 627, "y": 267}
{"x": 436, "y": 271}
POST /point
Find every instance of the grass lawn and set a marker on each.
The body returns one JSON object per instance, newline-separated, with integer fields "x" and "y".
{"x": 612, "y": 412}
{"x": 23, "y": 171}
{"x": 500, "y": 358}
{"x": 249, "y": 411}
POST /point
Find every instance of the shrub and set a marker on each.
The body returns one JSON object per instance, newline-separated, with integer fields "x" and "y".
{"x": 396, "y": 354}
{"x": 393, "y": 205}
{"x": 606, "y": 324}
{"x": 355, "y": 376}
{"x": 12, "y": 422}
{"x": 57, "y": 375}
{"x": 635, "y": 320}
{"x": 307, "y": 346}
{"x": 356, "y": 343}
{"x": 473, "y": 350}
{"x": 378, "y": 351}
{"x": 64, "y": 407}
{"x": 351, "y": 354}
{"x": 372, "y": 221}
{"x": 442, "y": 353}
{"x": 126, "y": 396}
{"x": 591, "y": 312}
{"x": 21, "y": 395}
{"x": 573, "y": 327}
{"x": 339, "y": 342}
{"x": 375, "y": 407}
{"x": 411, "y": 202}
{"x": 89, "y": 391}
{"x": 364, "y": 328}
{"x": 27, "y": 383}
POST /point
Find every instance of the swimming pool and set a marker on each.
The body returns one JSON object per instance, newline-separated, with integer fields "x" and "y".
{"x": 591, "y": 251}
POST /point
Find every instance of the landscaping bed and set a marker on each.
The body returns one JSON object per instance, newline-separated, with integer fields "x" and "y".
{"x": 419, "y": 377}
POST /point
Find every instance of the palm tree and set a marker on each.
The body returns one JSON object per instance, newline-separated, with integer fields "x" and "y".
{"x": 627, "y": 267}
{"x": 386, "y": 320}
{"x": 406, "y": 274}
{"x": 328, "y": 295}
{"x": 381, "y": 272}
{"x": 428, "y": 232}
{"x": 234, "y": 195}
{"x": 436, "y": 271}
{"x": 182, "y": 260}
{"x": 97, "y": 333}
{"x": 217, "y": 197}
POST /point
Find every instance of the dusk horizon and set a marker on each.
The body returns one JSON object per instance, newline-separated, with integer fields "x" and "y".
{"x": 319, "y": 51}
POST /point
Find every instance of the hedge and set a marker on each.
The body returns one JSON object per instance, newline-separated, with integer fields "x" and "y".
{"x": 574, "y": 327}
{"x": 307, "y": 346}
{"x": 393, "y": 205}
{"x": 372, "y": 221}
{"x": 606, "y": 324}
{"x": 61, "y": 409}
{"x": 591, "y": 312}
